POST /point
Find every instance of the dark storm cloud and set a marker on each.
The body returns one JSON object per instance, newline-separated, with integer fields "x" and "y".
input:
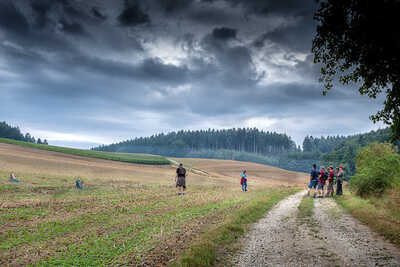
{"x": 72, "y": 28}
{"x": 98, "y": 14}
{"x": 224, "y": 33}
{"x": 264, "y": 7}
{"x": 294, "y": 37}
{"x": 41, "y": 10}
{"x": 133, "y": 14}
{"x": 12, "y": 19}
{"x": 171, "y": 6}
{"x": 102, "y": 71}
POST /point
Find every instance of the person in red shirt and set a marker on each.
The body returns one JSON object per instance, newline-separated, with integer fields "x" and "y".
{"x": 330, "y": 181}
{"x": 321, "y": 182}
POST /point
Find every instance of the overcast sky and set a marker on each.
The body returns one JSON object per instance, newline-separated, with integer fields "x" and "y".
{"x": 82, "y": 73}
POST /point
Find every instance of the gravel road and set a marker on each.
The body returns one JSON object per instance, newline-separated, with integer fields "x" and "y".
{"x": 329, "y": 238}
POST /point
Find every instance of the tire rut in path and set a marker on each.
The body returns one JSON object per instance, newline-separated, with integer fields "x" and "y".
{"x": 329, "y": 238}
{"x": 354, "y": 242}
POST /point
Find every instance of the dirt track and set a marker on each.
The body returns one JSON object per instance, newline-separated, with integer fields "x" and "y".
{"x": 330, "y": 238}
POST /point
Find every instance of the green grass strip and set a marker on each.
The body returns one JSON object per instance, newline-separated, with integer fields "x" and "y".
{"x": 124, "y": 157}
{"x": 306, "y": 208}
{"x": 382, "y": 218}
{"x": 204, "y": 251}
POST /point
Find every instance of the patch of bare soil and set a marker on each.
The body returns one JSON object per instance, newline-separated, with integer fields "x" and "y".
{"x": 329, "y": 238}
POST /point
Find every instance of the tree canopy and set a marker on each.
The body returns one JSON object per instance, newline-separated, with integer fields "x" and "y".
{"x": 243, "y": 140}
{"x": 358, "y": 41}
{"x": 11, "y": 132}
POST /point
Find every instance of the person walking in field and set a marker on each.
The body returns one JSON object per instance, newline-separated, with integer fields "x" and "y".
{"x": 340, "y": 179}
{"x": 331, "y": 175}
{"x": 313, "y": 181}
{"x": 243, "y": 180}
{"x": 181, "y": 179}
{"x": 321, "y": 182}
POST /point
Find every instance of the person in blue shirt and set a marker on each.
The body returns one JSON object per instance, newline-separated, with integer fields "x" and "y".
{"x": 313, "y": 180}
{"x": 243, "y": 181}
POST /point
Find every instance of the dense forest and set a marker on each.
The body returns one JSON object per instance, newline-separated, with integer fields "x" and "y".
{"x": 183, "y": 142}
{"x": 318, "y": 146}
{"x": 345, "y": 153}
{"x": 11, "y": 132}
{"x": 255, "y": 146}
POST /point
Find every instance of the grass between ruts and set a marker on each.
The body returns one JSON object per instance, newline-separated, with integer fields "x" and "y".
{"x": 204, "y": 251}
{"x": 380, "y": 214}
{"x": 124, "y": 157}
{"x": 305, "y": 208}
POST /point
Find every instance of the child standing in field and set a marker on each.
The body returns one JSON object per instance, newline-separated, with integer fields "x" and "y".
{"x": 243, "y": 180}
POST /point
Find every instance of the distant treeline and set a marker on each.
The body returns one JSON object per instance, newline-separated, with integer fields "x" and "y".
{"x": 318, "y": 146}
{"x": 183, "y": 142}
{"x": 345, "y": 153}
{"x": 255, "y": 146}
{"x": 11, "y": 132}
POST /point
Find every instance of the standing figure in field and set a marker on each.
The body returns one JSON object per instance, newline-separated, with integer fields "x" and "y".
{"x": 336, "y": 177}
{"x": 313, "y": 180}
{"x": 181, "y": 179}
{"x": 243, "y": 180}
{"x": 321, "y": 182}
{"x": 331, "y": 181}
{"x": 340, "y": 179}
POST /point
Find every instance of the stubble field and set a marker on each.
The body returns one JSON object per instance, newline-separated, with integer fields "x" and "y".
{"x": 130, "y": 214}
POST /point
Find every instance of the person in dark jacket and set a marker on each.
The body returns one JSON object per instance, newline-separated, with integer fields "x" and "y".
{"x": 313, "y": 180}
{"x": 339, "y": 181}
{"x": 181, "y": 179}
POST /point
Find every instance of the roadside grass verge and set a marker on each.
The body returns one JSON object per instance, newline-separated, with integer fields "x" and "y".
{"x": 123, "y": 157}
{"x": 204, "y": 251}
{"x": 382, "y": 214}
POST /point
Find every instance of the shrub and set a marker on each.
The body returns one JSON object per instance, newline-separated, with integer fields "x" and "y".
{"x": 378, "y": 169}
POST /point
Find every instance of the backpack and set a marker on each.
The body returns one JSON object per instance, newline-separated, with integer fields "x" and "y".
{"x": 181, "y": 172}
{"x": 325, "y": 176}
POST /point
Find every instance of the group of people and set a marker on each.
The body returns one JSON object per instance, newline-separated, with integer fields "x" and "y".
{"x": 323, "y": 182}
